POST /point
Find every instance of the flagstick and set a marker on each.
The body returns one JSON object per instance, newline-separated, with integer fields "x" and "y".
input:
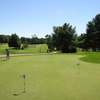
{"x": 24, "y": 77}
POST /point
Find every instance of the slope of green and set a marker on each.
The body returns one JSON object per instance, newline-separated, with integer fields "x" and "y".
{"x": 93, "y": 57}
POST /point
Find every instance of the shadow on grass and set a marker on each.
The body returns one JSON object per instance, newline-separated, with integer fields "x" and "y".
{"x": 91, "y": 58}
{"x": 19, "y": 93}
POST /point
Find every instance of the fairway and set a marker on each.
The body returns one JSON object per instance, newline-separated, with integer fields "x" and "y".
{"x": 40, "y": 48}
{"x": 49, "y": 77}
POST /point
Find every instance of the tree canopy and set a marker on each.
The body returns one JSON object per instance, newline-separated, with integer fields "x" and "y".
{"x": 62, "y": 38}
{"x": 91, "y": 40}
{"x": 14, "y": 41}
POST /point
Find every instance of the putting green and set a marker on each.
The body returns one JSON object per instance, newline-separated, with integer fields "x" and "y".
{"x": 49, "y": 77}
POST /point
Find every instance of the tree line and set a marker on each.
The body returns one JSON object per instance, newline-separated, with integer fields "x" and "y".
{"x": 63, "y": 38}
{"x": 20, "y": 43}
{"x": 91, "y": 39}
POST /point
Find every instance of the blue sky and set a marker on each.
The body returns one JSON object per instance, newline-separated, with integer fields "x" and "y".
{"x": 28, "y": 17}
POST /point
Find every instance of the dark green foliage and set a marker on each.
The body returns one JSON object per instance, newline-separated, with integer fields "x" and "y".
{"x": 49, "y": 42}
{"x": 23, "y": 39}
{"x": 14, "y": 41}
{"x": 4, "y": 38}
{"x": 91, "y": 40}
{"x": 7, "y": 53}
{"x": 71, "y": 49}
{"x": 62, "y": 39}
{"x": 36, "y": 40}
{"x": 82, "y": 42}
{"x": 33, "y": 40}
{"x": 93, "y": 33}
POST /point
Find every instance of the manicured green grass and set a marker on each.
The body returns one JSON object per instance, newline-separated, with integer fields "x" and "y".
{"x": 49, "y": 77}
{"x": 2, "y": 48}
{"x": 92, "y": 57}
{"x": 40, "y": 48}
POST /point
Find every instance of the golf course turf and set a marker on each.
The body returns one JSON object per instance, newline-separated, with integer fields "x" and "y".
{"x": 49, "y": 77}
